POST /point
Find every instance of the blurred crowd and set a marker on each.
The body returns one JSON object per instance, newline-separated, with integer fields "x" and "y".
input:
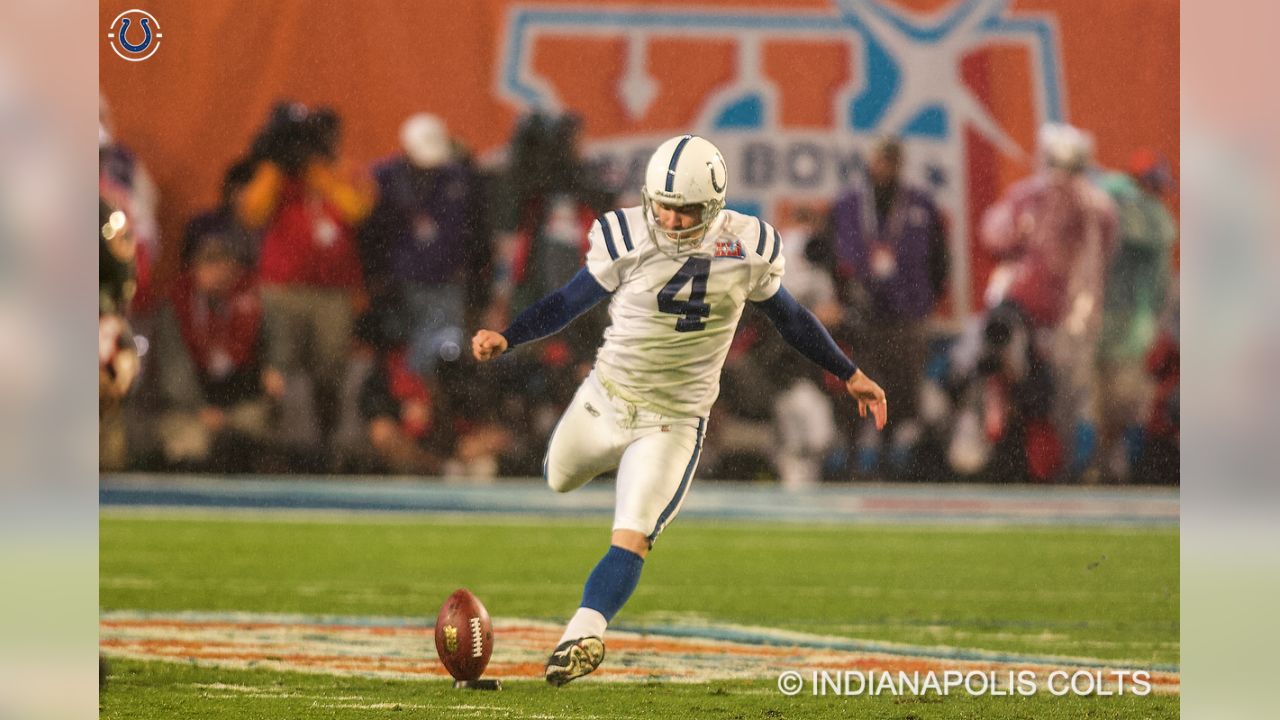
{"x": 318, "y": 322}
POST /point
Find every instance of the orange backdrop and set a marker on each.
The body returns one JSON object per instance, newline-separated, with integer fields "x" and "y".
{"x": 194, "y": 106}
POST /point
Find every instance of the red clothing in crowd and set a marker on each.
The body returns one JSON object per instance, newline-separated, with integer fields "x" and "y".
{"x": 308, "y": 242}
{"x": 221, "y": 334}
{"x": 1058, "y": 232}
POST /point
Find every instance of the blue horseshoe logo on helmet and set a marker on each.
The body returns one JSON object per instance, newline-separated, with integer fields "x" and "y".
{"x": 719, "y": 187}
{"x": 146, "y": 35}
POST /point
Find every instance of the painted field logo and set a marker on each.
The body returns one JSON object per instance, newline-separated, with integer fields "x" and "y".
{"x": 134, "y": 35}
{"x": 400, "y": 648}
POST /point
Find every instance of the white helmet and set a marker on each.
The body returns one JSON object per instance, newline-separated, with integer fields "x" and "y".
{"x": 1064, "y": 147}
{"x": 685, "y": 170}
{"x": 425, "y": 140}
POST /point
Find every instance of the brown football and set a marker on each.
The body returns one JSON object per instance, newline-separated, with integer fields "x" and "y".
{"x": 464, "y": 636}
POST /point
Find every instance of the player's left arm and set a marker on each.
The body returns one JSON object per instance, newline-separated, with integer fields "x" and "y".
{"x": 803, "y": 332}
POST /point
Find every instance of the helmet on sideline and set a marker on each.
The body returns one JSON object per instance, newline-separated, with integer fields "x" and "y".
{"x": 425, "y": 140}
{"x": 1065, "y": 147}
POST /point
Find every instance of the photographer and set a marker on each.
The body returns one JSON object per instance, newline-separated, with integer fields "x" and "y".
{"x": 308, "y": 265}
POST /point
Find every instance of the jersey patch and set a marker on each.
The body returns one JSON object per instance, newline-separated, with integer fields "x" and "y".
{"x": 730, "y": 248}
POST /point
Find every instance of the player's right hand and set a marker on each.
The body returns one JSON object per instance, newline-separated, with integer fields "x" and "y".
{"x": 487, "y": 345}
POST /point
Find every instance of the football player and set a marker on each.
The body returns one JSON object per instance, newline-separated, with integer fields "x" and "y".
{"x": 677, "y": 271}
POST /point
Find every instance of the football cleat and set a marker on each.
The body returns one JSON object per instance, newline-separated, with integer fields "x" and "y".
{"x": 574, "y": 658}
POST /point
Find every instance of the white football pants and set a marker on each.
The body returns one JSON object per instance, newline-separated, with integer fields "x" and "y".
{"x": 655, "y": 456}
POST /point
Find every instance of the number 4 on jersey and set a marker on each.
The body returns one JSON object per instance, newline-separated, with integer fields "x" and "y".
{"x": 693, "y": 309}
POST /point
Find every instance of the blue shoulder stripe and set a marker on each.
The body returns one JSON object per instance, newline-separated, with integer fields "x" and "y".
{"x": 777, "y": 245}
{"x": 763, "y": 236}
{"x": 608, "y": 236}
{"x": 626, "y": 233}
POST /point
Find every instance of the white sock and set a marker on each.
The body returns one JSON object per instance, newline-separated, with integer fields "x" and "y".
{"x": 585, "y": 623}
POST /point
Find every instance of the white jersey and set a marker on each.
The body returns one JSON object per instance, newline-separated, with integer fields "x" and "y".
{"x": 673, "y": 318}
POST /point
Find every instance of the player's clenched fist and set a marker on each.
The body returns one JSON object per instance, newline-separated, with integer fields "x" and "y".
{"x": 487, "y": 345}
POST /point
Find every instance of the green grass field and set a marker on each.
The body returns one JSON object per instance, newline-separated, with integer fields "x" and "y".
{"x": 1094, "y": 592}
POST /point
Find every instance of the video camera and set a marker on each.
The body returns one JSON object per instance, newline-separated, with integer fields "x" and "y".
{"x": 294, "y": 134}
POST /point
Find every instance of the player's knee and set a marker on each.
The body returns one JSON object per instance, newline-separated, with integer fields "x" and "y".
{"x": 560, "y": 482}
{"x": 636, "y": 542}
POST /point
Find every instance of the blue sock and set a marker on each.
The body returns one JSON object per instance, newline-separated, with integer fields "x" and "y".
{"x": 612, "y": 581}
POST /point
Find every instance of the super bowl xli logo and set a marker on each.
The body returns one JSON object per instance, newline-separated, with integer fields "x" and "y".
{"x": 134, "y": 35}
{"x": 730, "y": 248}
{"x": 790, "y": 135}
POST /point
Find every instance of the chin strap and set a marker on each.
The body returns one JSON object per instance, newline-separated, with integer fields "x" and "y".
{"x": 671, "y": 246}
{"x": 675, "y": 248}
